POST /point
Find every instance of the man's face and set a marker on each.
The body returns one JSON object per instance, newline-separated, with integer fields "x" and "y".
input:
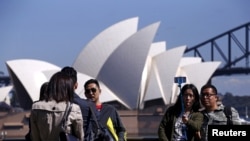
{"x": 208, "y": 97}
{"x": 92, "y": 92}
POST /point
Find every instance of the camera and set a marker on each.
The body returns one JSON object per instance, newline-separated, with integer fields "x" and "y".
{"x": 180, "y": 80}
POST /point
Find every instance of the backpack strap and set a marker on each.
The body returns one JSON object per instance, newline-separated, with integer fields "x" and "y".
{"x": 228, "y": 113}
{"x": 94, "y": 116}
{"x": 97, "y": 124}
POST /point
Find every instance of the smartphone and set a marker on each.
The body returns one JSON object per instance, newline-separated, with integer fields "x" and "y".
{"x": 180, "y": 79}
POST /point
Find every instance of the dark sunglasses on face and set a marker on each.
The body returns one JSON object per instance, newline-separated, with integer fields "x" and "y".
{"x": 93, "y": 90}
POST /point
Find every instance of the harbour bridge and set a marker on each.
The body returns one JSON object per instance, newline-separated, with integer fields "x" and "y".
{"x": 231, "y": 48}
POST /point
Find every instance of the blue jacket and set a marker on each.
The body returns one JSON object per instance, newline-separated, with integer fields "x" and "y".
{"x": 85, "y": 109}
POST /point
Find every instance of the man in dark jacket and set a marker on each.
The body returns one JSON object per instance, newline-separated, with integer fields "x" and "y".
{"x": 83, "y": 103}
{"x": 107, "y": 116}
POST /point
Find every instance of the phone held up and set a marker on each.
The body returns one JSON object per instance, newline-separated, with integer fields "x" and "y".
{"x": 180, "y": 79}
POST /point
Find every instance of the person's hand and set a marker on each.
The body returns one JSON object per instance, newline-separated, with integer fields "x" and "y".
{"x": 184, "y": 118}
{"x": 198, "y": 135}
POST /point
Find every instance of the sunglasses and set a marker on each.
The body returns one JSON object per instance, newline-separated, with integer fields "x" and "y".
{"x": 93, "y": 90}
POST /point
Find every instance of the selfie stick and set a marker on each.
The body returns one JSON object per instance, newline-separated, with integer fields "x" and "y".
{"x": 182, "y": 102}
{"x": 180, "y": 80}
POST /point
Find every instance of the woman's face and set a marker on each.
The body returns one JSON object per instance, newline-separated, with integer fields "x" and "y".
{"x": 188, "y": 98}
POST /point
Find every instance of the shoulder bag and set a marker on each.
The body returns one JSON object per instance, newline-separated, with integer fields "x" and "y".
{"x": 64, "y": 136}
{"x": 101, "y": 133}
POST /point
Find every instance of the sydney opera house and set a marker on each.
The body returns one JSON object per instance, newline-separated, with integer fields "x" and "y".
{"x": 132, "y": 68}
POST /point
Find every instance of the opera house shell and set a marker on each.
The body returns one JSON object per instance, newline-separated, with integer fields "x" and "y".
{"x": 131, "y": 68}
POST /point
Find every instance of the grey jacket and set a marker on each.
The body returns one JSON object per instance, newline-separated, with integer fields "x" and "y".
{"x": 217, "y": 117}
{"x": 45, "y": 121}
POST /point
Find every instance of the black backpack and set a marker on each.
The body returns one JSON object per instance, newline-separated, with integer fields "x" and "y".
{"x": 228, "y": 113}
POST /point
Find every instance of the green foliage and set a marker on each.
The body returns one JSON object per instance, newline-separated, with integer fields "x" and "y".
{"x": 240, "y": 103}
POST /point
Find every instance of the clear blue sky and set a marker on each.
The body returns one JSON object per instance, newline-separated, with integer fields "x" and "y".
{"x": 56, "y": 31}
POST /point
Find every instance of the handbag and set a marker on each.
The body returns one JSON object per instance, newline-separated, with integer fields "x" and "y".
{"x": 64, "y": 136}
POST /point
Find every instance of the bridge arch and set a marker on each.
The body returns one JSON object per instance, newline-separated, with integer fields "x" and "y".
{"x": 230, "y": 47}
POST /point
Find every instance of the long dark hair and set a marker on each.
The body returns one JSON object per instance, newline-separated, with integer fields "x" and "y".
{"x": 60, "y": 87}
{"x": 196, "y": 105}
